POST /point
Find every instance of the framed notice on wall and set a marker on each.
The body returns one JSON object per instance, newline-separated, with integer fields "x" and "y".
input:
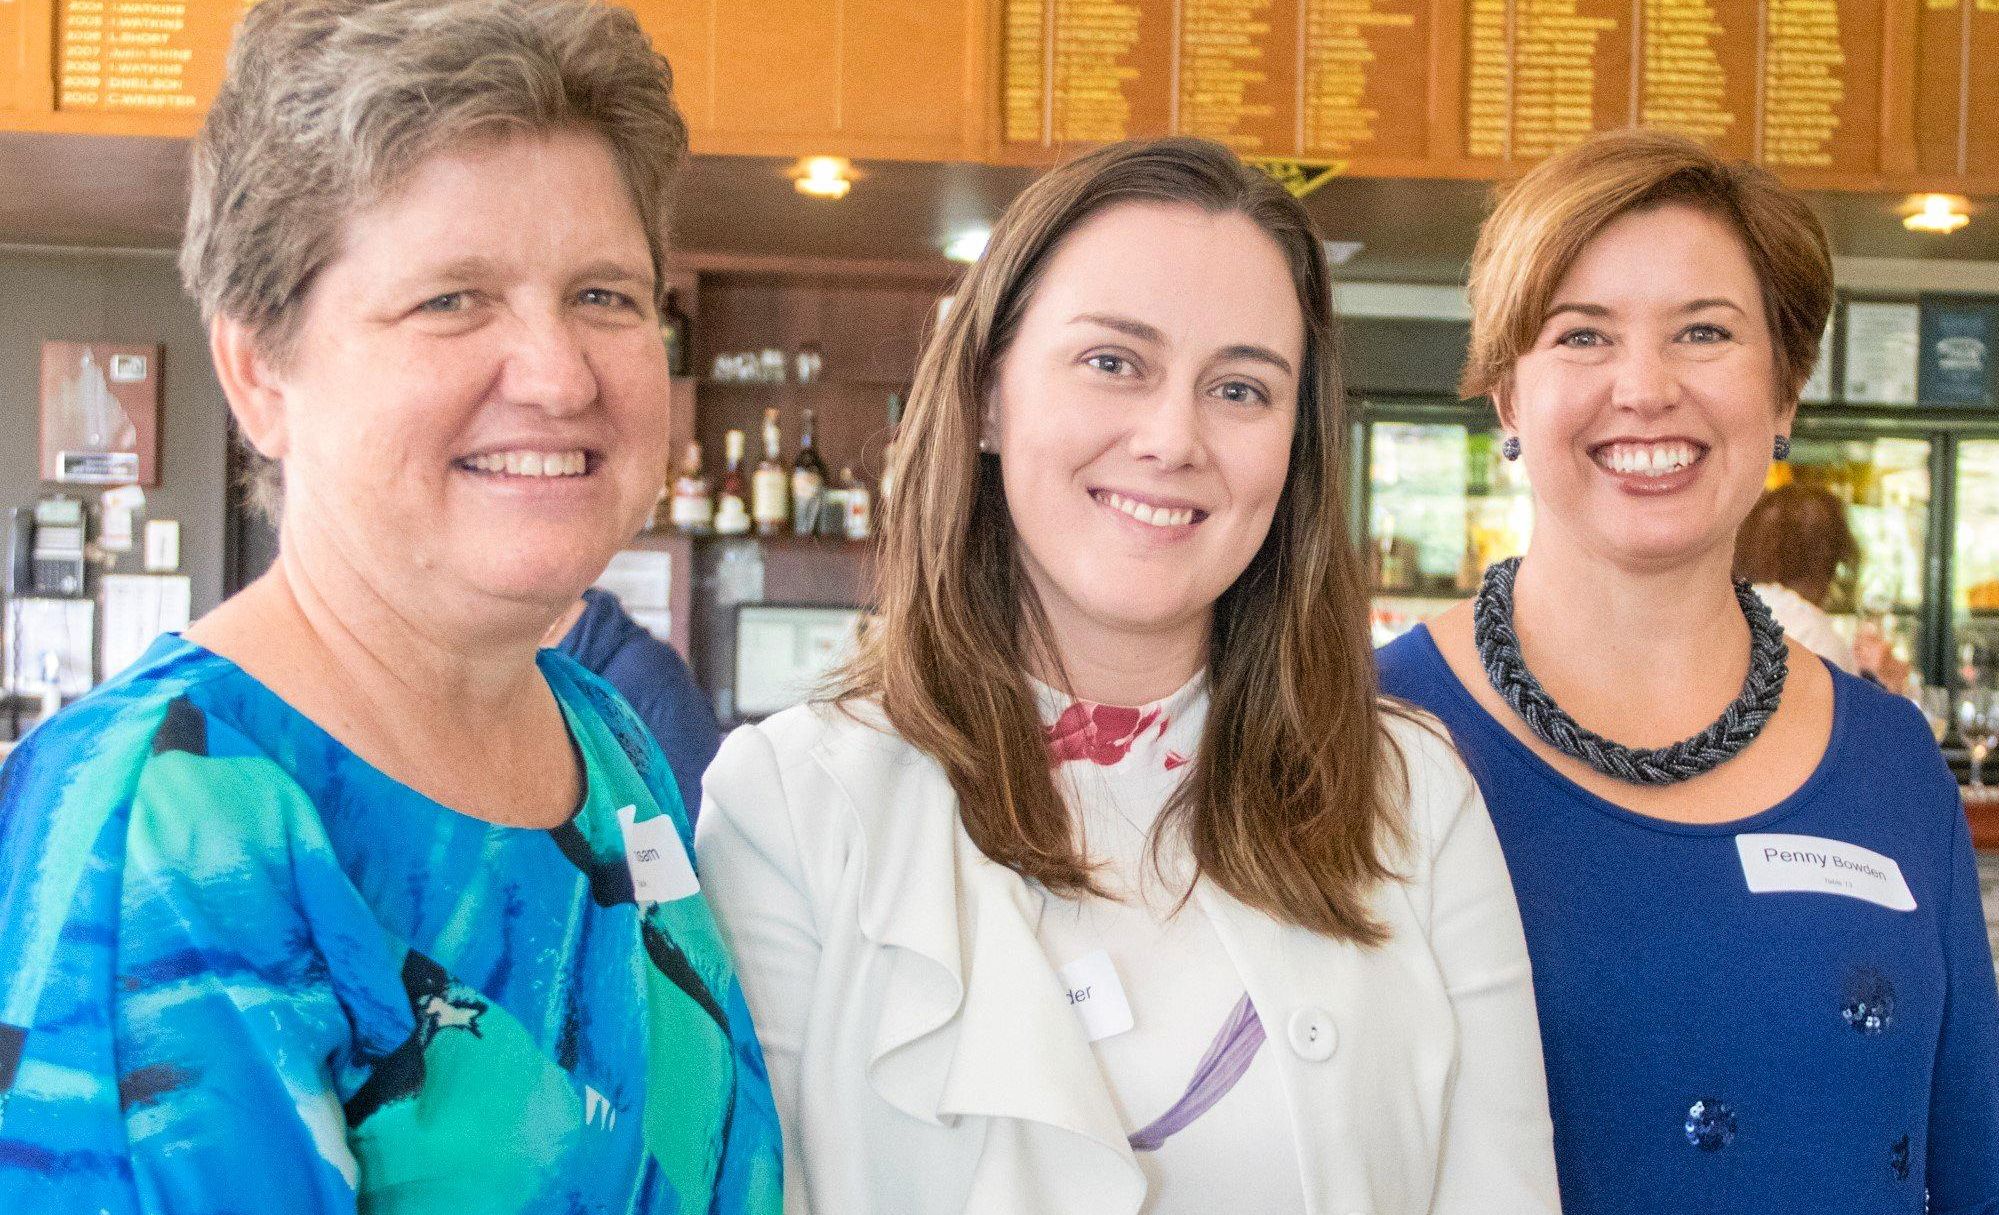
{"x": 1959, "y": 336}
{"x": 784, "y": 650}
{"x": 1881, "y": 340}
{"x": 101, "y": 413}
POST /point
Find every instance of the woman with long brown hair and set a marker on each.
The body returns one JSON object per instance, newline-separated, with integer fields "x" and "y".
{"x": 1103, "y": 883}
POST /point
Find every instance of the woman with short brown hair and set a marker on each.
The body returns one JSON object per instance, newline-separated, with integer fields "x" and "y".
{"x": 1791, "y": 549}
{"x": 1103, "y": 883}
{"x": 354, "y": 898}
{"x": 1761, "y": 966}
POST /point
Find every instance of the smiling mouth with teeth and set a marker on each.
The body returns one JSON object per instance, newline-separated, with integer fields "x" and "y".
{"x": 529, "y": 463}
{"x": 1648, "y": 459}
{"x": 1151, "y": 516}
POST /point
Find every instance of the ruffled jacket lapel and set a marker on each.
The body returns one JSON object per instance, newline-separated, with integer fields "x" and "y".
{"x": 974, "y": 1022}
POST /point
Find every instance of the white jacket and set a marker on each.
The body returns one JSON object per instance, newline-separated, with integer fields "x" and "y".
{"x": 925, "y": 1059}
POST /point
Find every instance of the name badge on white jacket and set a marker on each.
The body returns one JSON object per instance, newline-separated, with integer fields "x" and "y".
{"x": 1097, "y": 996}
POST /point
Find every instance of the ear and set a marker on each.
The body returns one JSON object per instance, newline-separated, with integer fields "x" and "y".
{"x": 1787, "y": 415}
{"x": 254, "y": 392}
{"x": 988, "y": 435}
{"x": 1502, "y": 400}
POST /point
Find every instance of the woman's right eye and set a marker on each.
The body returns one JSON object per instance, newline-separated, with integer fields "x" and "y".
{"x": 450, "y": 301}
{"x": 1582, "y": 339}
{"x": 1110, "y": 364}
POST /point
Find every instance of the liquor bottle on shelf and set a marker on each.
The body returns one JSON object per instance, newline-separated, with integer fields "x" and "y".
{"x": 693, "y": 511}
{"x": 833, "y": 512}
{"x": 770, "y": 486}
{"x": 808, "y": 480}
{"x": 859, "y": 508}
{"x": 678, "y": 334}
{"x": 889, "y": 453}
{"x": 732, "y": 510}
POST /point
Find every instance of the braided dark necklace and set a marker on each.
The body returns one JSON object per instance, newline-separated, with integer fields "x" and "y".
{"x": 1738, "y": 726}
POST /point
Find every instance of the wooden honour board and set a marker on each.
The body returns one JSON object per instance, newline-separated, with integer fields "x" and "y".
{"x": 1851, "y": 94}
{"x": 1477, "y": 87}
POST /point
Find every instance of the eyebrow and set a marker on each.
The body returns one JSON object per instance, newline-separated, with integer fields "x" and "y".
{"x": 1128, "y": 326}
{"x": 1132, "y": 327}
{"x": 478, "y": 266}
{"x": 610, "y": 269}
{"x": 1600, "y": 312}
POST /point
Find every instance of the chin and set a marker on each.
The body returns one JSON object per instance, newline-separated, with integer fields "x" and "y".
{"x": 1639, "y": 550}
{"x": 533, "y": 570}
{"x": 1143, "y": 619}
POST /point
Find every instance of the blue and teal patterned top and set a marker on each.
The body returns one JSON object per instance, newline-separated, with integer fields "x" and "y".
{"x": 246, "y": 971}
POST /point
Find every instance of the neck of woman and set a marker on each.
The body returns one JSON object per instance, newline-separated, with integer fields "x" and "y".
{"x": 1593, "y": 632}
{"x": 1110, "y": 665}
{"x": 348, "y": 653}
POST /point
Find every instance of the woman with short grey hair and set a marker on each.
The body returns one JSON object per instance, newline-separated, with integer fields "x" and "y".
{"x": 351, "y": 898}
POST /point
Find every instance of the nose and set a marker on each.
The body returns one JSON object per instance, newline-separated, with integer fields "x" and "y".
{"x": 1644, "y": 383}
{"x": 548, "y": 367}
{"x": 1166, "y": 431}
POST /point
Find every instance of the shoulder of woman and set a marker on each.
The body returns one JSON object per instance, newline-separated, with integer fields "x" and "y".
{"x": 784, "y": 750}
{"x": 137, "y": 760}
{"x": 1888, "y": 733}
{"x": 95, "y": 752}
{"x": 1437, "y": 786}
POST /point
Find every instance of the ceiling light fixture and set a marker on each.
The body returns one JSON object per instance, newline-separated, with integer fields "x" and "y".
{"x": 968, "y": 245}
{"x": 1941, "y": 214}
{"x": 824, "y": 177}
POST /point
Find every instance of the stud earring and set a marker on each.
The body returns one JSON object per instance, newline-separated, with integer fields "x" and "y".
{"x": 1511, "y": 448}
{"x": 1781, "y": 449}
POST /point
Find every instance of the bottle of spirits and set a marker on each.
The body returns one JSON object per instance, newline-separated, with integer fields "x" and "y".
{"x": 860, "y": 508}
{"x": 693, "y": 511}
{"x": 770, "y": 487}
{"x": 808, "y": 480}
{"x": 890, "y": 453}
{"x": 833, "y": 512}
{"x": 678, "y": 334}
{"x": 732, "y": 509}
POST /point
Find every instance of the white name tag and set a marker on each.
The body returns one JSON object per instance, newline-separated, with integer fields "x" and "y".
{"x": 660, "y": 869}
{"x": 1097, "y": 996}
{"x": 1813, "y": 864}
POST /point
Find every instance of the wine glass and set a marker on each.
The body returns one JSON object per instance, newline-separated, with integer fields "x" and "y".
{"x": 1978, "y": 721}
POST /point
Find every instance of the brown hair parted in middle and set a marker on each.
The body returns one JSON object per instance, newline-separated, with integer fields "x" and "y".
{"x": 1796, "y": 536}
{"x": 1293, "y": 803}
{"x": 1543, "y": 223}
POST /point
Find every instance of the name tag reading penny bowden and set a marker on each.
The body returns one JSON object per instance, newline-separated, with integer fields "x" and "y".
{"x": 1774, "y": 864}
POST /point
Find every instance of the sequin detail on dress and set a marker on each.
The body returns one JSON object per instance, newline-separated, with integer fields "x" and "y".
{"x": 1868, "y": 1004}
{"x": 1710, "y": 1125}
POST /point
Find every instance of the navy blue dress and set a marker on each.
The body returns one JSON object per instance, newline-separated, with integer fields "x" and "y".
{"x": 1811, "y": 1050}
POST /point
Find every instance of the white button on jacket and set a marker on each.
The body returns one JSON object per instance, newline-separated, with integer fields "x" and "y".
{"x": 925, "y": 1059}
{"x": 1313, "y": 1035}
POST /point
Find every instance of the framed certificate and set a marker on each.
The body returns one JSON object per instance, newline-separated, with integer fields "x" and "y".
{"x": 1881, "y": 343}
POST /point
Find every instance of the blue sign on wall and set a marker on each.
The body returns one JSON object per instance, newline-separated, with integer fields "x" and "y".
{"x": 1960, "y": 339}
